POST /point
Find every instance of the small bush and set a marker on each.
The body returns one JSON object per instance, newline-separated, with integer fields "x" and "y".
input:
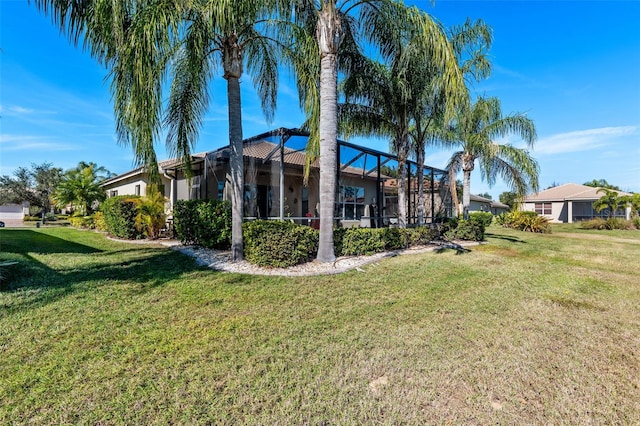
{"x": 359, "y": 241}
{"x": 484, "y": 217}
{"x": 99, "y": 222}
{"x": 469, "y": 230}
{"x": 525, "y": 221}
{"x": 50, "y": 217}
{"x": 278, "y": 244}
{"x": 422, "y": 235}
{"x": 32, "y": 219}
{"x": 636, "y": 222}
{"x": 394, "y": 238}
{"x": 84, "y": 222}
{"x": 206, "y": 223}
{"x": 120, "y": 216}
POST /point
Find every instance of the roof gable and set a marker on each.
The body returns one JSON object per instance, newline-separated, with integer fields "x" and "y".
{"x": 569, "y": 192}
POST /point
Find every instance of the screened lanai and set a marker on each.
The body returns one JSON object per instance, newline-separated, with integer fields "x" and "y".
{"x": 367, "y": 193}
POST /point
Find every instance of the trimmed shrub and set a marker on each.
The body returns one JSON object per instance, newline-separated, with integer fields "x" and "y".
{"x": 278, "y": 244}
{"x": 99, "y": 222}
{"x": 469, "y": 230}
{"x": 484, "y": 217}
{"x": 394, "y": 238}
{"x": 422, "y": 235}
{"x": 120, "y": 216}
{"x": 84, "y": 222}
{"x": 206, "y": 223}
{"x": 611, "y": 223}
{"x": 358, "y": 241}
{"x": 636, "y": 222}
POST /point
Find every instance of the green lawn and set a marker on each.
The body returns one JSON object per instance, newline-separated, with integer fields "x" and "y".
{"x": 526, "y": 329}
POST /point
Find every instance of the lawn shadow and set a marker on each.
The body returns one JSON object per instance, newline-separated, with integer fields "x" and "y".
{"x": 505, "y": 237}
{"x": 449, "y": 245}
{"x": 41, "y": 284}
{"x": 23, "y": 241}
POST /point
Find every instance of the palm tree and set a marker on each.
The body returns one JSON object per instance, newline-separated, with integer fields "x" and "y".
{"x": 144, "y": 43}
{"x": 470, "y": 42}
{"x": 385, "y": 99}
{"x": 80, "y": 187}
{"x": 475, "y": 129}
{"x": 611, "y": 200}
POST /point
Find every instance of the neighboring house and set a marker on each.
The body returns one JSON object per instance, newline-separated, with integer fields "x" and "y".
{"x": 569, "y": 203}
{"x": 481, "y": 204}
{"x": 275, "y": 182}
{"x": 13, "y": 214}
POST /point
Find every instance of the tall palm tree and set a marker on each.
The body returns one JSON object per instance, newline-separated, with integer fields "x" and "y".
{"x": 475, "y": 129}
{"x": 470, "y": 42}
{"x": 143, "y": 43}
{"x": 388, "y": 100}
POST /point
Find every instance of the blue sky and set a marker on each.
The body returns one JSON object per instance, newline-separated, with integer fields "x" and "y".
{"x": 572, "y": 66}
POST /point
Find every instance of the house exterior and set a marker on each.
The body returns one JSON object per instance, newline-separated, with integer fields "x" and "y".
{"x": 276, "y": 187}
{"x": 481, "y": 204}
{"x": 13, "y": 214}
{"x": 569, "y": 203}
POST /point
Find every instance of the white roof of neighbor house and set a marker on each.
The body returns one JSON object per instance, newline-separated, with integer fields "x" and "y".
{"x": 569, "y": 191}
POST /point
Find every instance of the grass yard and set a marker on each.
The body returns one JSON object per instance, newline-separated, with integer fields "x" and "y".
{"x": 526, "y": 329}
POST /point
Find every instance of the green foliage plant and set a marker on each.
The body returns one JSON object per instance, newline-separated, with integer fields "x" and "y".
{"x": 524, "y": 221}
{"x": 363, "y": 241}
{"x": 485, "y": 217}
{"x": 83, "y": 222}
{"x": 468, "y": 230}
{"x": 278, "y": 244}
{"x": 120, "y": 216}
{"x": 150, "y": 216}
{"x": 206, "y": 223}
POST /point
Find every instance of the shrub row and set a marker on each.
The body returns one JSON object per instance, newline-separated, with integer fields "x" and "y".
{"x": 611, "y": 223}
{"x": 278, "y": 244}
{"x": 525, "y": 221}
{"x": 206, "y": 223}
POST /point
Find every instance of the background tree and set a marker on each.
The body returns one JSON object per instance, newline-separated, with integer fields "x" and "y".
{"x": 80, "y": 188}
{"x": 34, "y": 185}
{"x": 602, "y": 183}
{"x": 611, "y": 200}
{"x": 475, "y": 129}
{"x": 486, "y": 195}
{"x": 509, "y": 198}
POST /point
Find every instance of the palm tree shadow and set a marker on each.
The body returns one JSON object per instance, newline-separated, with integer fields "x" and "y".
{"x": 505, "y": 237}
{"x": 153, "y": 268}
{"x": 447, "y": 246}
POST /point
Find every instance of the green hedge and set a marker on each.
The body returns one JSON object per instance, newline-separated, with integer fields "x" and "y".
{"x": 119, "y": 215}
{"x": 206, "y": 223}
{"x": 359, "y": 241}
{"x": 278, "y": 244}
{"x": 84, "y": 222}
{"x": 469, "y": 230}
{"x": 484, "y": 217}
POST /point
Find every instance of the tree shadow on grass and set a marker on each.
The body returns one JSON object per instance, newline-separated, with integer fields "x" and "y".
{"x": 445, "y": 247}
{"x": 505, "y": 237}
{"x": 27, "y": 241}
{"x": 37, "y": 284}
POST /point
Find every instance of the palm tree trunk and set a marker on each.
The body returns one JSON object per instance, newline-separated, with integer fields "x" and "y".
{"x": 466, "y": 193}
{"x": 328, "y": 155}
{"x": 329, "y": 34}
{"x": 402, "y": 149}
{"x": 236, "y": 166}
{"x": 420, "y": 179}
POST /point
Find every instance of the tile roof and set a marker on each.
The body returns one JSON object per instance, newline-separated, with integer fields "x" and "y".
{"x": 568, "y": 191}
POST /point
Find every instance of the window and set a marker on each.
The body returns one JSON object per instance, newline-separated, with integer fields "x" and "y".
{"x": 543, "y": 208}
{"x": 113, "y": 193}
{"x": 220, "y": 190}
{"x": 352, "y": 202}
{"x": 137, "y": 189}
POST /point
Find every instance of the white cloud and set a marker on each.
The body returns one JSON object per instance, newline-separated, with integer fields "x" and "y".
{"x": 582, "y": 140}
{"x": 31, "y": 143}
